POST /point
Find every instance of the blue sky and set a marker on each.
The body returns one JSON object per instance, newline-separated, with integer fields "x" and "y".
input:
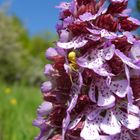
{"x": 37, "y": 15}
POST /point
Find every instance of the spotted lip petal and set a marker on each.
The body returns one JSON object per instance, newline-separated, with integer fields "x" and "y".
{"x": 90, "y": 131}
{"x": 124, "y": 135}
{"x": 105, "y": 100}
{"x": 102, "y": 70}
{"x": 74, "y": 44}
{"x": 110, "y": 124}
{"x": 129, "y": 121}
{"x": 105, "y": 96}
{"x": 105, "y": 93}
{"x": 119, "y": 87}
{"x": 102, "y": 33}
{"x": 96, "y": 61}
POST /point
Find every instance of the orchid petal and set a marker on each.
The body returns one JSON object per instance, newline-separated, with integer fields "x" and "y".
{"x": 133, "y": 109}
{"x": 105, "y": 137}
{"x": 87, "y": 17}
{"x": 125, "y": 135}
{"x": 48, "y": 69}
{"x": 63, "y": 5}
{"x": 126, "y": 60}
{"x": 66, "y": 120}
{"x": 64, "y": 36}
{"x": 92, "y": 115}
{"x": 93, "y": 37}
{"x": 46, "y": 87}
{"x": 90, "y": 130}
{"x": 77, "y": 43}
{"x": 130, "y": 37}
{"x": 68, "y": 20}
{"x": 109, "y": 52}
{"x": 135, "y": 51}
{"x": 72, "y": 103}
{"x": 75, "y": 91}
{"x": 94, "y": 31}
{"x": 129, "y": 89}
{"x": 92, "y": 92}
{"x": 130, "y": 121}
{"x": 110, "y": 125}
{"x": 44, "y": 109}
{"x": 65, "y": 123}
{"x": 51, "y": 53}
{"x": 108, "y": 35}
{"x": 75, "y": 122}
{"x": 105, "y": 97}
{"x": 103, "y": 71}
{"x": 39, "y": 122}
{"x": 119, "y": 87}
{"x": 95, "y": 61}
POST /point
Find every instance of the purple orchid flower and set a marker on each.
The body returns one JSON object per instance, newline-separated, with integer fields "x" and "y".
{"x": 93, "y": 87}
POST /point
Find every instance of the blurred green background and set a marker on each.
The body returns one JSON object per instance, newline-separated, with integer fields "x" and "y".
{"x": 22, "y": 60}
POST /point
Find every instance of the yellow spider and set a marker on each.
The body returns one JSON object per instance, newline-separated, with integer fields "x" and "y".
{"x": 72, "y": 63}
{"x": 72, "y": 60}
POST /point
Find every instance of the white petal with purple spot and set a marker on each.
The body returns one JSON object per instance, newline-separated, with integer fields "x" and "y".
{"x": 130, "y": 121}
{"x": 105, "y": 97}
{"x": 119, "y": 87}
{"x": 110, "y": 124}
{"x": 77, "y": 43}
{"x": 89, "y": 132}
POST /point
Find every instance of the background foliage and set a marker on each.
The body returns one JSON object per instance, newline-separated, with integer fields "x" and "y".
{"x": 22, "y": 59}
{"x": 21, "y": 56}
{"x": 138, "y": 4}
